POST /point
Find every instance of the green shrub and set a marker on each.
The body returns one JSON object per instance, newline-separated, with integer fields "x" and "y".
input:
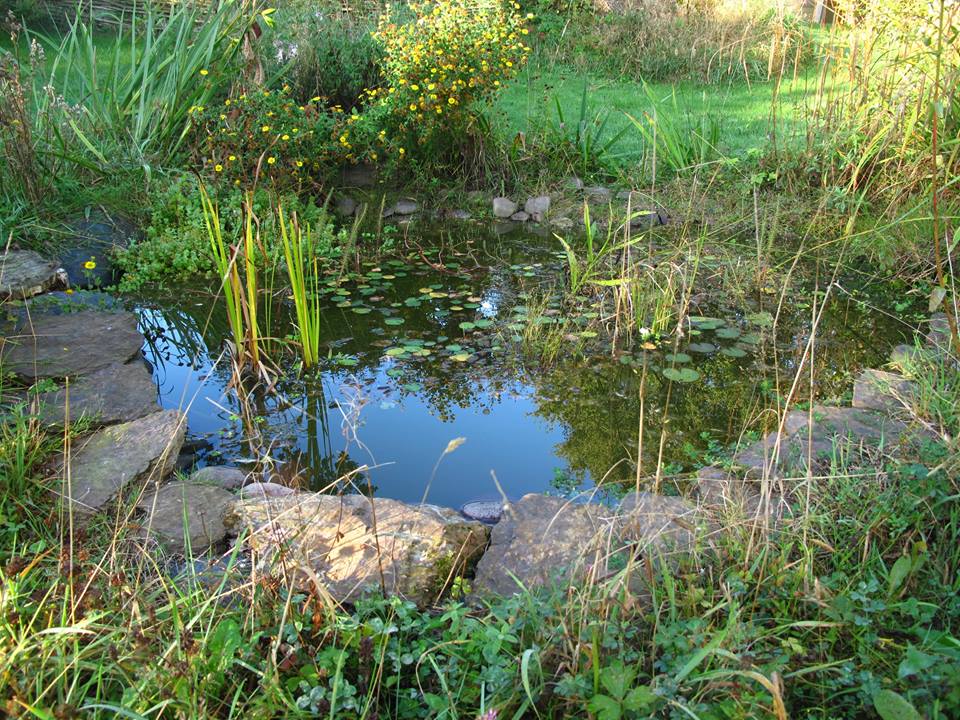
{"x": 176, "y": 246}
{"x": 323, "y": 51}
{"x": 266, "y": 138}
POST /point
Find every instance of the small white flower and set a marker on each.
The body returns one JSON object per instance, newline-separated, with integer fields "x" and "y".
{"x": 645, "y": 332}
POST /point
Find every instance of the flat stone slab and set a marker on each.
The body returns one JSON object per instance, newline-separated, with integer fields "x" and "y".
{"x": 884, "y": 391}
{"x": 24, "y": 273}
{"x": 54, "y": 346}
{"x": 114, "y": 394}
{"x": 122, "y": 458}
{"x": 354, "y": 543}
{"x": 540, "y": 540}
{"x": 182, "y": 515}
{"x": 836, "y": 431}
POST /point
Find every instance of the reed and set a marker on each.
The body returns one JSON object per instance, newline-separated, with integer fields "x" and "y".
{"x": 304, "y": 274}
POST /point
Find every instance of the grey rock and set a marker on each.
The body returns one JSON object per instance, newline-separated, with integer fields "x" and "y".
{"x": 663, "y": 527}
{"x": 261, "y": 490}
{"x": 734, "y": 494}
{"x": 574, "y": 183}
{"x": 860, "y": 431}
{"x": 879, "y": 390}
{"x": 24, "y": 273}
{"x": 179, "y": 512}
{"x": 520, "y": 216}
{"x": 114, "y": 394}
{"x": 52, "y": 346}
{"x": 406, "y": 207}
{"x": 224, "y": 476}
{"x": 503, "y": 207}
{"x": 632, "y": 195}
{"x": 120, "y": 459}
{"x": 598, "y": 194}
{"x": 540, "y": 540}
{"x": 537, "y": 207}
{"x": 354, "y": 543}
{"x": 460, "y": 215}
{"x": 485, "y": 511}
{"x": 388, "y": 211}
{"x": 96, "y": 238}
{"x": 938, "y": 332}
{"x": 645, "y": 219}
{"x": 345, "y": 206}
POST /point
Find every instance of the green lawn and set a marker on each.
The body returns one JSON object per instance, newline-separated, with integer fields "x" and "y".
{"x": 744, "y": 110}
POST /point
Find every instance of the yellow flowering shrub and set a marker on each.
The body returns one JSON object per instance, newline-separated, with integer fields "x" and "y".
{"x": 265, "y": 137}
{"x": 437, "y": 67}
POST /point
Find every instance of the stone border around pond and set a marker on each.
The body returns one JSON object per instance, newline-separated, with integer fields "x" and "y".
{"x": 352, "y": 543}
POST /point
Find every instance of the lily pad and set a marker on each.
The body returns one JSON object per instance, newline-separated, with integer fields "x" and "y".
{"x": 702, "y": 347}
{"x": 413, "y": 387}
{"x": 460, "y": 357}
{"x": 683, "y": 375}
{"x": 733, "y": 352}
{"x": 760, "y": 319}
{"x": 394, "y": 321}
{"x": 467, "y": 326}
{"x": 677, "y": 358}
{"x": 728, "y": 333}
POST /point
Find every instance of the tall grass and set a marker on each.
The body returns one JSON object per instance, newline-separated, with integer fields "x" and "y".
{"x": 136, "y": 106}
{"x": 304, "y": 274}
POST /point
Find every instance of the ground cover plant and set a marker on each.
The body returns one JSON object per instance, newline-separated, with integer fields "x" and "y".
{"x": 747, "y": 210}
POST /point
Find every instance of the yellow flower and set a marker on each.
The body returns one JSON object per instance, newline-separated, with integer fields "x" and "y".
{"x": 204, "y": 72}
{"x": 218, "y": 167}
{"x": 285, "y": 137}
{"x": 265, "y": 128}
{"x": 89, "y": 265}
{"x": 299, "y": 163}
{"x": 232, "y": 158}
{"x": 271, "y": 160}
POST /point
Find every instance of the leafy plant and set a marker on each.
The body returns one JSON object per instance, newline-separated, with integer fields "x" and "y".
{"x": 585, "y": 140}
{"x": 304, "y": 274}
{"x": 621, "y": 696}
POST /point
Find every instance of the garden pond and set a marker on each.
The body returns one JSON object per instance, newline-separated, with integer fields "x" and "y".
{"x": 425, "y": 350}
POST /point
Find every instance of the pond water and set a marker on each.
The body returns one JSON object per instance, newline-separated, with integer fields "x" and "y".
{"x": 426, "y": 350}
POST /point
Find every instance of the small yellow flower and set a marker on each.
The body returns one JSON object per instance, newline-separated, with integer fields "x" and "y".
{"x": 204, "y": 72}
{"x": 232, "y": 158}
{"x": 285, "y": 137}
{"x": 299, "y": 163}
{"x": 218, "y": 167}
{"x": 89, "y": 265}
{"x": 265, "y": 128}
{"x": 271, "y": 160}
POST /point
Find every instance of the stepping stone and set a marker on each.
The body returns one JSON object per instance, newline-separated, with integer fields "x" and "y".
{"x": 346, "y": 206}
{"x": 353, "y": 543}
{"x": 54, "y": 346}
{"x": 120, "y": 459}
{"x": 114, "y": 394}
{"x": 884, "y": 391}
{"x": 224, "y": 476}
{"x": 24, "y": 273}
{"x": 179, "y": 512}
{"x": 540, "y": 540}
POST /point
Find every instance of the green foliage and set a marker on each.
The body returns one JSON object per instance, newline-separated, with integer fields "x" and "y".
{"x": 176, "y": 245}
{"x": 136, "y": 109}
{"x": 325, "y": 51}
{"x": 582, "y": 142}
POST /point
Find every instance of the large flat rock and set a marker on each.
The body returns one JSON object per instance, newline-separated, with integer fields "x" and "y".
{"x": 837, "y": 432}
{"x": 24, "y": 273}
{"x": 185, "y": 515}
{"x": 55, "y": 346}
{"x": 354, "y": 543}
{"x": 883, "y": 391}
{"x": 540, "y": 540}
{"x": 113, "y": 394}
{"x": 122, "y": 458}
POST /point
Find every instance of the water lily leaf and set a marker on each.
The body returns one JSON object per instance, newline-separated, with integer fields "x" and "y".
{"x": 483, "y": 323}
{"x": 702, "y": 347}
{"x": 750, "y": 339}
{"x": 677, "y": 358}
{"x": 346, "y": 361}
{"x": 396, "y": 351}
{"x": 683, "y": 375}
{"x": 413, "y": 387}
{"x": 467, "y": 326}
{"x": 461, "y": 357}
{"x": 728, "y": 333}
{"x": 394, "y": 321}
{"x": 733, "y": 352}
{"x": 362, "y": 310}
{"x": 394, "y": 372}
{"x": 760, "y": 319}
